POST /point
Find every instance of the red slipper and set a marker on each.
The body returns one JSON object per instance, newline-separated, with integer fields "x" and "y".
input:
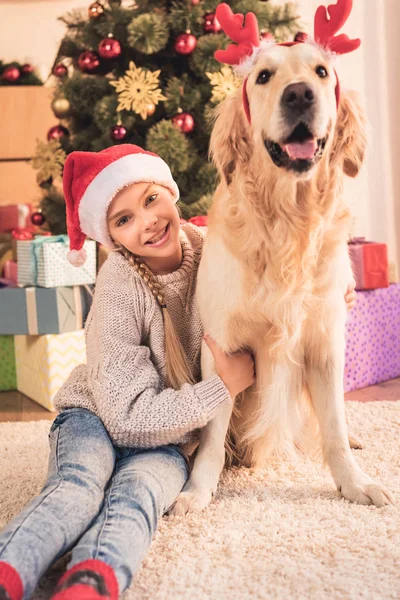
{"x": 88, "y": 580}
{"x": 10, "y": 582}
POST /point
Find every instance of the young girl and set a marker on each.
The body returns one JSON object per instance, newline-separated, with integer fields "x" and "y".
{"x": 117, "y": 448}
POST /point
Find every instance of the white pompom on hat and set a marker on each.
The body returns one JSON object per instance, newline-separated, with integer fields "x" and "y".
{"x": 92, "y": 179}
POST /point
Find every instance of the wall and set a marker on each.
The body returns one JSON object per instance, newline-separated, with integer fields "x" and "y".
{"x": 29, "y": 30}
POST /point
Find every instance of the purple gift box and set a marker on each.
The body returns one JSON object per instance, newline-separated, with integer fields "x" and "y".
{"x": 373, "y": 338}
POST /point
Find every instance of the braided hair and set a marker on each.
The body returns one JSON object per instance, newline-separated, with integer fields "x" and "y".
{"x": 178, "y": 367}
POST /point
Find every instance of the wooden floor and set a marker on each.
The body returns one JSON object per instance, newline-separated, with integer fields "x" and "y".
{"x": 17, "y": 407}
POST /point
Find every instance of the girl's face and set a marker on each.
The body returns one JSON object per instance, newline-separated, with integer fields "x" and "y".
{"x": 143, "y": 218}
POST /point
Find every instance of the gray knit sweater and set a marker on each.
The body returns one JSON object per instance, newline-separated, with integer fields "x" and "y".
{"x": 123, "y": 381}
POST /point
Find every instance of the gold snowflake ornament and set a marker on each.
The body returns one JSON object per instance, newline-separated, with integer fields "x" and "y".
{"x": 137, "y": 89}
{"x": 49, "y": 160}
{"x": 224, "y": 84}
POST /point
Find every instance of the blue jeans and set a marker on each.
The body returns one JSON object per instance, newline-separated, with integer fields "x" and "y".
{"x": 100, "y": 500}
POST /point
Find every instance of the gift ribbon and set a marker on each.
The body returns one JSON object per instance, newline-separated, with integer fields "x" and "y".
{"x": 36, "y": 247}
{"x": 31, "y": 311}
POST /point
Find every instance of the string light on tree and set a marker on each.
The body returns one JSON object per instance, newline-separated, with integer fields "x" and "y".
{"x": 110, "y": 48}
{"x": 185, "y": 43}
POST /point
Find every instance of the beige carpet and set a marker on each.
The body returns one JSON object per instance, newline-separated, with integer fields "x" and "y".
{"x": 278, "y": 533}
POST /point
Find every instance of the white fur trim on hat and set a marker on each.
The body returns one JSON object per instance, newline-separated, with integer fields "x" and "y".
{"x": 132, "y": 168}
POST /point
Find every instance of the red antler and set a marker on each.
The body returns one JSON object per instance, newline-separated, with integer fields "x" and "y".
{"x": 244, "y": 33}
{"x": 325, "y": 29}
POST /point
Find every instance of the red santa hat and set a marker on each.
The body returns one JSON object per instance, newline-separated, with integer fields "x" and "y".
{"x": 92, "y": 179}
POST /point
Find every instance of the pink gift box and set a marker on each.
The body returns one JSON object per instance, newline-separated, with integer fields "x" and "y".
{"x": 370, "y": 264}
{"x": 15, "y": 216}
{"x": 10, "y": 271}
{"x": 373, "y": 338}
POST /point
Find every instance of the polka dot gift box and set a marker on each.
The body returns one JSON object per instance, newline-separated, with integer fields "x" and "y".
{"x": 373, "y": 338}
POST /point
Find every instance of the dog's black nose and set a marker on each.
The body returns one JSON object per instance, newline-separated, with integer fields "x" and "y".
{"x": 298, "y": 96}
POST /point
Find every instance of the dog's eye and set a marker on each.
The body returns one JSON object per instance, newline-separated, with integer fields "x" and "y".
{"x": 321, "y": 72}
{"x": 264, "y": 77}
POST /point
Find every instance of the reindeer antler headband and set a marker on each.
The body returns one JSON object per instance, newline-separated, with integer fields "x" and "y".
{"x": 244, "y": 31}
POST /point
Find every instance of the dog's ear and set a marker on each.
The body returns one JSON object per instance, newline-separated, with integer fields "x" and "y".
{"x": 350, "y": 135}
{"x": 230, "y": 142}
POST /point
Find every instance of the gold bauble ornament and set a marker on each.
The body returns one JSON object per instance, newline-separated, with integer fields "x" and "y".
{"x": 95, "y": 10}
{"x": 151, "y": 109}
{"x": 61, "y": 107}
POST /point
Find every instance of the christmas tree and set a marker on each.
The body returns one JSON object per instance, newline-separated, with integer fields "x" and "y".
{"x": 144, "y": 72}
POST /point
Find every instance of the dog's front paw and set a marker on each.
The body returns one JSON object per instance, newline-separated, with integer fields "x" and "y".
{"x": 191, "y": 500}
{"x": 363, "y": 490}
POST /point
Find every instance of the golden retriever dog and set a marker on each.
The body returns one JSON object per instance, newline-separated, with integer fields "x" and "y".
{"x": 275, "y": 268}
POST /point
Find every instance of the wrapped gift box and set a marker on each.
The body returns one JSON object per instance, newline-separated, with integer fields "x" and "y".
{"x": 370, "y": 264}
{"x": 10, "y": 271}
{"x": 43, "y": 262}
{"x": 43, "y": 310}
{"x": 15, "y": 216}
{"x": 6, "y": 250}
{"x": 44, "y": 362}
{"x": 8, "y": 375}
{"x": 373, "y": 338}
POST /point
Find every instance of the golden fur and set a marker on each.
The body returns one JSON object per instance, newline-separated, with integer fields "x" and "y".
{"x": 273, "y": 275}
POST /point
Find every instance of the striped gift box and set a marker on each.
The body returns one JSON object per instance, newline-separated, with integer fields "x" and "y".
{"x": 43, "y": 262}
{"x": 44, "y": 362}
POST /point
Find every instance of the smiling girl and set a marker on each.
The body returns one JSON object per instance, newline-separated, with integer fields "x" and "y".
{"x": 117, "y": 448}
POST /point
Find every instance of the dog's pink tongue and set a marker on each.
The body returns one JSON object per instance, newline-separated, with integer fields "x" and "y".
{"x": 304, "y": 150}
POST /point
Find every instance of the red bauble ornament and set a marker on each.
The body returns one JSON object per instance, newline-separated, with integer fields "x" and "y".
{"x": 27, "y": 69}
{"x": 57, "y": 132}
{"x": 37, "y": 218}
{"x": 200, "y": 220}
{"x": 88, "y": 61}
{"x": 60, "y": 71}
{"x": 211, "y": 23}
{"x": 118, "y": 132}
{"x": 184, "y": 121}
{"x": 109, "y": 48}
{"x": 95, "y": 10}
{"x": 11, "y": 74}
{"x": 194, "y": 2}
{"x": 185, "y": 43}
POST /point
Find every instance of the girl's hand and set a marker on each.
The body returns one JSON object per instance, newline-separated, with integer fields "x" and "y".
{"x": 350, "y": 296}
{"x": 236, "y": 370}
